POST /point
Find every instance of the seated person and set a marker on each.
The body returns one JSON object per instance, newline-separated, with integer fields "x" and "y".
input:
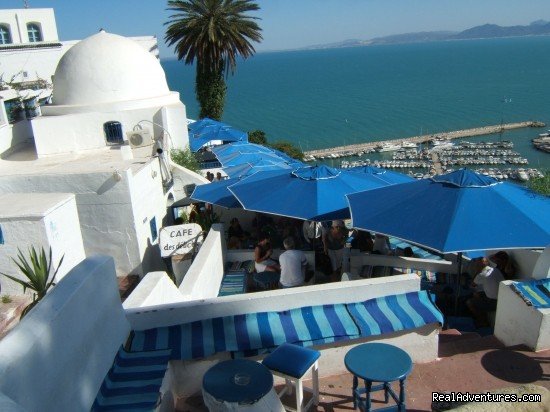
{"x": 362, "y": 240}
{"x": 262, "y": 255}
{"x": 486, "y": 282}
{"x": 381, "y": 245}
{"x": 334, "y": 241}
{"x": 293, "y": 265}
{"x": 504, "y": 263}
{"x": 236, "y": 231}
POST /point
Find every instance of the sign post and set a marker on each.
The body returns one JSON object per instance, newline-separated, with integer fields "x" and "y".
{"x": 179, "y": 239}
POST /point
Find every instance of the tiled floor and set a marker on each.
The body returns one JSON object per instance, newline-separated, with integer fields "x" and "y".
{"x": 466, "y": 363}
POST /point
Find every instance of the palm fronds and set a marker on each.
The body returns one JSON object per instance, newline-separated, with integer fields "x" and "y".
{"x": 36, "y": 271}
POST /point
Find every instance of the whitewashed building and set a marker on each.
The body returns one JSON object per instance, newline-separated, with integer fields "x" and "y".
{"x": 106, "y": 139}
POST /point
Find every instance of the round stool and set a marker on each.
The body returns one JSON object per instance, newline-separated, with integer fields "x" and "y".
{"x": 378, "y": 362}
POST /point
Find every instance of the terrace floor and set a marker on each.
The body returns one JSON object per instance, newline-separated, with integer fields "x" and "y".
{"x": 467, "y": 362}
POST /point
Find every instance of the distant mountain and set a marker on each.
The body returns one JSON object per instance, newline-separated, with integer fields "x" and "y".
{"x": 486, "y": 31}
{"x": 345, "y": 43}
{"x": 419, "y": 37}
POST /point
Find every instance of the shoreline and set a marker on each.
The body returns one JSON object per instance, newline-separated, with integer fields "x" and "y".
{"x": 456, "y": 134}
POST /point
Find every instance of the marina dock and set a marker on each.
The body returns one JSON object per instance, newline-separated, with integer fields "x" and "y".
{"x": 354, "y": 149}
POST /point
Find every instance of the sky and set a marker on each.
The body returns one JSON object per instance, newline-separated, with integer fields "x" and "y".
{"x": 289, "y": 24}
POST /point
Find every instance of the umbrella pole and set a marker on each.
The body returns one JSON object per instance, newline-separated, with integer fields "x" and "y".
{"x": 459, "y": 274}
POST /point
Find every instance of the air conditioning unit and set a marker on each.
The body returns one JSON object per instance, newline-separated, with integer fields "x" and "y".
{"x": 139, "y": 138}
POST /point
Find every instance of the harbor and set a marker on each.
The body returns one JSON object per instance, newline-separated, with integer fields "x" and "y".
{"x": 368, "y": 147}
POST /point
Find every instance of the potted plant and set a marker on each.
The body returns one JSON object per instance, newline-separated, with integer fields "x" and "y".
{"x": 36, "y": 269}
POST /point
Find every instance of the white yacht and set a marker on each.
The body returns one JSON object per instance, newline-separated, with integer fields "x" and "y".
{"x": 388, "y": 147}
{"x": 408, "y": 145}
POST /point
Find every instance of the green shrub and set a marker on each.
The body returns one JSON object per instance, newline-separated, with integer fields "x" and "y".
{"x": 541, "y": 184}
{"x": 36, "y": 269}
{"x": 185, "y": 158}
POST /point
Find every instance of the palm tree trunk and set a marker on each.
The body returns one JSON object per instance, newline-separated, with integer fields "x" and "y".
{"x": 210, "y": 89}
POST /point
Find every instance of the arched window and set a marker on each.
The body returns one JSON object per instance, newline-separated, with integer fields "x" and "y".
{"x": 34, "y": 32}
{"x": 5, "y": 35}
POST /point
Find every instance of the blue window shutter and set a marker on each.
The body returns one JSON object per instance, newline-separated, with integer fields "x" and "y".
{"x": 153, "y": 225}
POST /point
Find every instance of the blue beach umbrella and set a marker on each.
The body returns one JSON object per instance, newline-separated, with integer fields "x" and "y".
{"x": 456, "y": 212}
{"x": 386, "y": 175}
{"x": 206, "y": 130}
{"x": 239, "y": 158}
{"x": 228, "y": 149}
{"x": 309, "y": 192}
{"x": 217, "y": 193}
{"x": 247, "y": 169}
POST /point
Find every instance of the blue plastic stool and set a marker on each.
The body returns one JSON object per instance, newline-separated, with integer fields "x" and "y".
{"x": 292, "y": 363}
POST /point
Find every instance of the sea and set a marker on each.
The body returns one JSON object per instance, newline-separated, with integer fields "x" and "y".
{"x": 331, "y": 97}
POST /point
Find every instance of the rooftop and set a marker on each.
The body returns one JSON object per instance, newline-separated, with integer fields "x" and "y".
{"x": 25, "y": 161}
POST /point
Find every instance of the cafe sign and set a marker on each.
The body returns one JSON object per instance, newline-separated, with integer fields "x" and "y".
{"x": 179, "y": 239}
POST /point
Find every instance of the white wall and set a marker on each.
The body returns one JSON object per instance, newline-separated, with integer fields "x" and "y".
{"x": 17, "y": 20}
{"x": 174, "y": 116}
{"x": 58, "y": 228}
{"x": 540, "y": 261}
{"x": 148, "y": 202}
{"x": 516, "y": 323}
{"x": 84, "y": 131}
{"x": 204, "y": 277}
{"x": 155, "y": 288}
{"x": 104, "y": 210}
{"x": 357, "y": 261}
{"x": 274, "y": 300}
{"x": 58, "y": 356}
{"x": 13, "y": 135}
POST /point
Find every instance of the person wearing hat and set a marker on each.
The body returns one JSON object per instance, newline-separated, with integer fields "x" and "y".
{"x": 334, "y": 241}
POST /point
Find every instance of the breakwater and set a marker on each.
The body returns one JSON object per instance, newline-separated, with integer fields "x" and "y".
{"x": 354, "y": 149}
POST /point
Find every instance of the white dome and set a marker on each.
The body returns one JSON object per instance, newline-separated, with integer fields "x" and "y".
{"x": 106, "y": 68}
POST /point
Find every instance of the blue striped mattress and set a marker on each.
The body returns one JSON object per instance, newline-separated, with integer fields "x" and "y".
{"x": 307, "y": 326}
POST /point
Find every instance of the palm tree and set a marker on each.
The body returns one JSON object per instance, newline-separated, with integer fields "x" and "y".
{"x": 214, "y": 33}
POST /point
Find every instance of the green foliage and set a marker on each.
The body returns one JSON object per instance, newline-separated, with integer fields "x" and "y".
{"x": 185, "y": 158}
{"x": 289, "y": 149}
{"x": 206, "y": 220}
{"x": 36, "y": 269}
{"x": 258, "y": 137}
{"x": 541, "y": 184}
{"x": 6, "y": 299}
{"x": 214, "y": 33}
{"x": 211, "y": 90}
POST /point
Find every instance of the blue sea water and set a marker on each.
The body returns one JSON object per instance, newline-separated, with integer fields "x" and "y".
{"x": 323, "y": 98}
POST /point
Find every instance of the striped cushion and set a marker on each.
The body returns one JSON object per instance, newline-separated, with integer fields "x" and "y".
{"x": 133, "y": 382}
{"x": 233, "y": 284}
{"x": 421, "y": 253}
{"x": 394, "y": 313}
{"x": 254, "y": 333}
{"x": 535, "y": 293}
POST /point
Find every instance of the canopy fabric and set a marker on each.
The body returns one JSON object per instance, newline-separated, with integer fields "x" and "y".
{"x": 238, "y": 158}
{"x": 386, "y": 175}
{"x": 217, "y": 193}
{"x": 246, "y": 169}
{"x": 228, "y": 149}
{"x": 456, "y": 212}
{"x": 309, "y": 192}
{"x": 207, "y": 130}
